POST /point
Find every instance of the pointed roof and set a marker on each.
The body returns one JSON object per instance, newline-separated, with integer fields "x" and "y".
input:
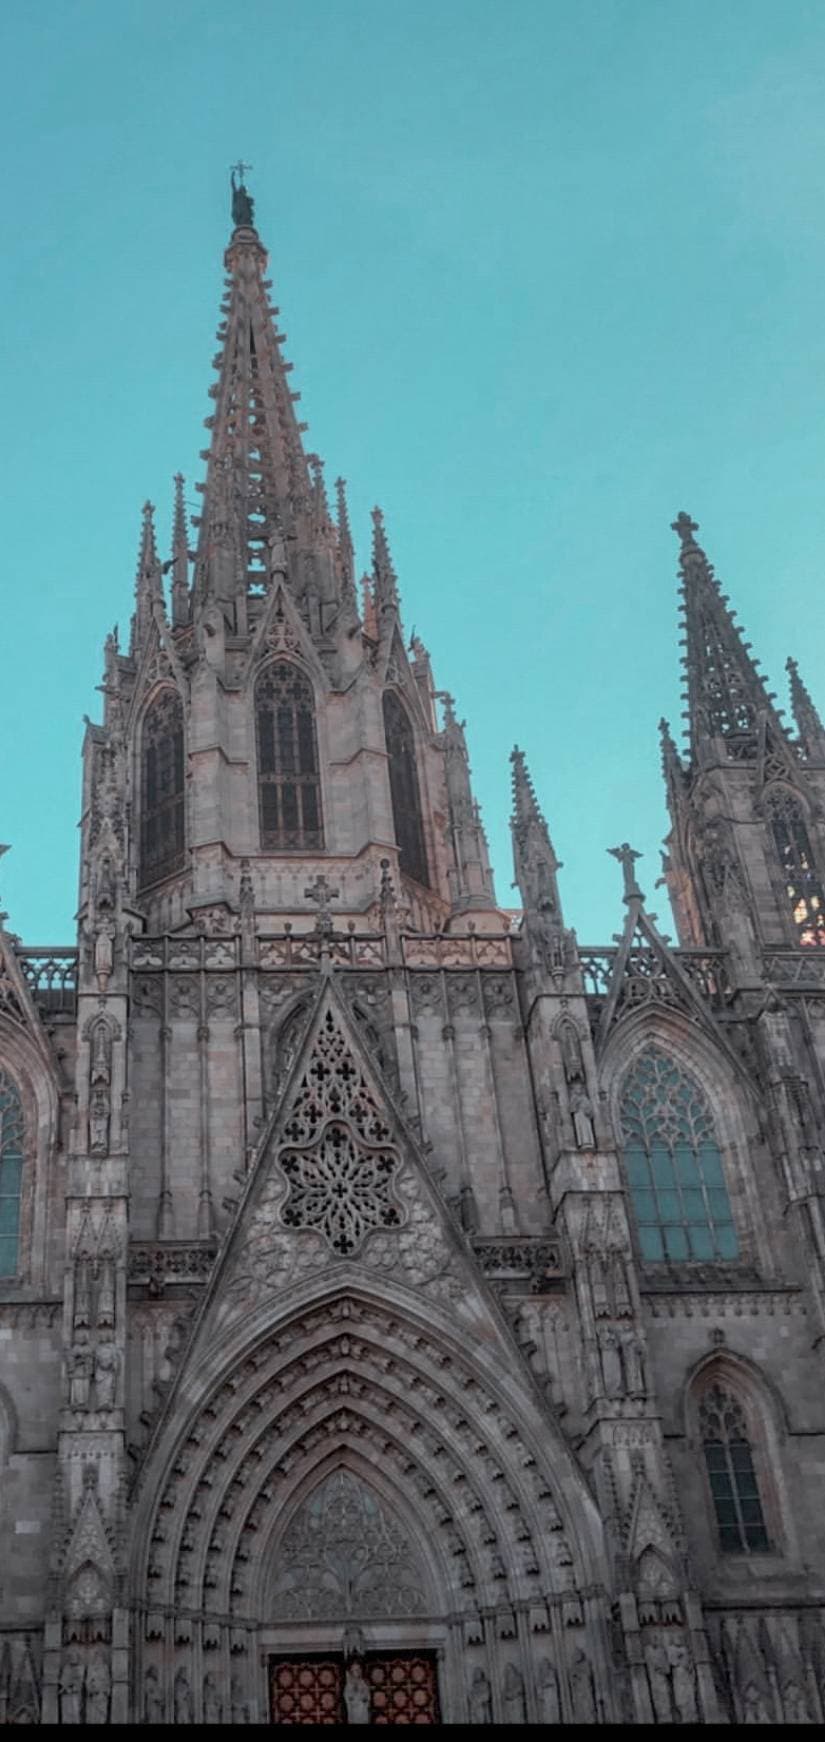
{"x": 180, "y": 556}
{"x": 148, "y": 579}
{"x": 534, "y": 856}
{"x": 725, "y": 693}
{"x": 806, "y": 714}
{"x": 258, "y": 482}
{"x": 385, "y": 582}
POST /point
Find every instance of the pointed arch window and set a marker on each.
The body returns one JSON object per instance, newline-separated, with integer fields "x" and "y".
{"x": 406, "y": 801}
{"x": 674, "y": 1165}
{"x": 289, "y": 785}
{"x": 11, "y": 1173}
{"x": 729, "y": 1462}
{"x": 162, "y": 839}
{"x": 806, "y": 897}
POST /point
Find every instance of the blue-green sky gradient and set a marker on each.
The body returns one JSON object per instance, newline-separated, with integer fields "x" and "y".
{"x": 551, "y": 270}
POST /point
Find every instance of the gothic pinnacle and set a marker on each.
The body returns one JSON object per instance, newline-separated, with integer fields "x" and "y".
{"x": 806, "y": 714}
{"x": 148, "y": 580}
{"x": 180, "y": 557}
{"x": 534, "y": 856}
{"x": 384, "y": 576}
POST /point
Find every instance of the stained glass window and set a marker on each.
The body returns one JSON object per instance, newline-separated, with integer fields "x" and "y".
{"x": 11, "y": 1173}
{"x": 289, "y": 786}
{"x": 674, "y": 1166}
{"x": 733, "y": 1485}
{"x": 805, "y": 892}
{"x": 406, "y": 803}
{"x": 162, "y": 794}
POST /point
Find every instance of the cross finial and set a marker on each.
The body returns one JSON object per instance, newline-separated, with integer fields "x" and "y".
{"x": 627, "y": 857}
{"x": 239, "y": 169}
{"x": 320, "y": 893}
{"x": 684, "y": 527}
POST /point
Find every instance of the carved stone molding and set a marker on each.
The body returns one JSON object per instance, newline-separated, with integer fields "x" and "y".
{"x": 158, "y": 1265}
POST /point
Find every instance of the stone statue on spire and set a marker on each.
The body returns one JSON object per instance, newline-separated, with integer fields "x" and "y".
{"x": 243, "y": 205}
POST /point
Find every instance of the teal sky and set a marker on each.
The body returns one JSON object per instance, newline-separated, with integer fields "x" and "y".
{"x": 551, "y": 270}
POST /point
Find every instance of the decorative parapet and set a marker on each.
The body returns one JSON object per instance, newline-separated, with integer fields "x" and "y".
{"x": 523, "y": 1262}
{"x": 648, "y": 975}
{"x": 183, "y": 952}
{"x": 173, "y": 1262}
{"x": 52, "y": 977}
{"x": 472, "y": 950}
{"x": 803, "y": 967}
{"x": 291, "y": 949}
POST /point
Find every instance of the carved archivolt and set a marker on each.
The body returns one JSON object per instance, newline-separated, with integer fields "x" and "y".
{"x": 351, "y": 1386}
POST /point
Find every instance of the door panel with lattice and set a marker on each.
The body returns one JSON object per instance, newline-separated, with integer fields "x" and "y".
{"x": 307, "y": 1690}
{"x": 403, "y": 1689}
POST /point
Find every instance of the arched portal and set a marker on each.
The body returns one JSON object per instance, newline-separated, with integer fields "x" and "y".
{"x": 353, "y": 1416}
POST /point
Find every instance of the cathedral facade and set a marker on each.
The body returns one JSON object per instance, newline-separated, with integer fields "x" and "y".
{"x": 407, "y": 1314}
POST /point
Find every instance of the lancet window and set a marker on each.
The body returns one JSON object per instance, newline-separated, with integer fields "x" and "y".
{"x": 674, "y": 1165}
{"x": 805, "y": 892}
{"x": 162, "y": 789}
{"x": 729, "y": 1462}
{"x": 11, "y": 1173}
{"x": 289, "y": 785}
{"x": 406, "y": 802}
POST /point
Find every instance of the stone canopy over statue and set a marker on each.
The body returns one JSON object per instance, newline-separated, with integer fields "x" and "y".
{"x": 243, "y": 205}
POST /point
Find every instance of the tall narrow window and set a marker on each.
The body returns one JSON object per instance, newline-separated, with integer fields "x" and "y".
{"x": 731, "y": 1474}
{"x": 805, "y": 892}
{"x": 674, "y": 1166}
{"x": 162, "y": 789}
{"x": 406, "y": 804}
{"x": 11, "y": 1173}
{"x": 289, "y": 787}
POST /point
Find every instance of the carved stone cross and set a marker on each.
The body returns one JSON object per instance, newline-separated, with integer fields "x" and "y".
{"x": 322, "y": 895}
{"x": 627, "y": 858}
{"x": 685, "y": 527}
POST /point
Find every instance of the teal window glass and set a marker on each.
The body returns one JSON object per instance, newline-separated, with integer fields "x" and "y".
{"x": 289, "y": 781}
{"x": 11, "y": 1173}
{"x": 674, "y": 1167}
{"x": 734, "y": 1489}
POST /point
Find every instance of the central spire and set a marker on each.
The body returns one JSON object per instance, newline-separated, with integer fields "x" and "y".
{"x": 260, "y": 495}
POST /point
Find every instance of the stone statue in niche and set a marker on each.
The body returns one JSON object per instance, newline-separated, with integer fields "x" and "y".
{"x": 755, "y": 1707}
{"x": 183, "y": 1699}
{"x": 98, "y": 1687}
{"x": 581, "y": 1110}
{"x": 99, "y": 1116}
{"x": 683, "y": 1682}
{"x": 240, "y": 1705}
{"x": 81, "y": 1318}
{"x": 104, "y": 954}
{"x": 106, "y": 889}
{"x": 622, "y": 1304}
{"x": 611, "y": 1361}
{"x": 106, "y": 1296}
{"x": 633, "y": 1363}
{"x": 480, "y": 1705}
{"x": 80, "y": 1363}
{"x": 571, "y": 1054}
{"x": 658, "y": 1674}
{"x": 100, "y": 1078}
{"x": 512, "y": 1695}
{"x": 212, "y": 1713}
{"x": 152, "y": 1697}
{"x": 548, "y": 1686}
{"x": 356, "y": 1695}
{"x": 581, "y": 1688}
{"x": 70, "y": 1687}
{"x": 106, "y": 1366}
